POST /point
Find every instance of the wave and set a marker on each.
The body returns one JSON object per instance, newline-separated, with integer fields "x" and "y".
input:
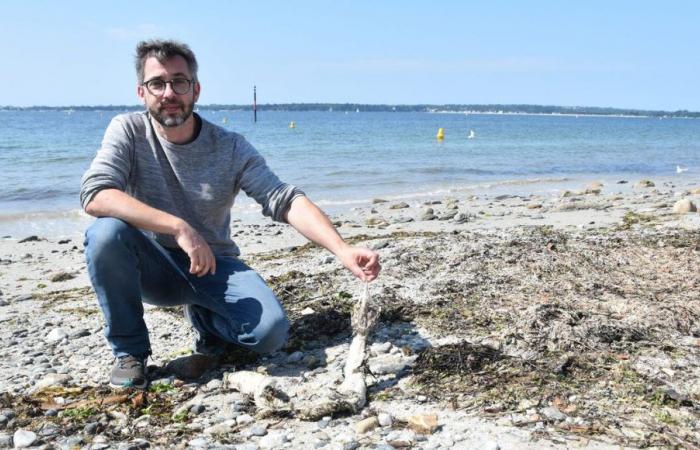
{"x": 32, "y": 194}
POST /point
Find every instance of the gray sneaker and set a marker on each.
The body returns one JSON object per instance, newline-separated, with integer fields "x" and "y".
{"x": 129, "y": 372}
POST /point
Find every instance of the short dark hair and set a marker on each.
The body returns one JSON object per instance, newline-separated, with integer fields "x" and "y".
{"x": 163, "y": 50}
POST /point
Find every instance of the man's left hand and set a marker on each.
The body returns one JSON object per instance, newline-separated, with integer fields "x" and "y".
{"x": 362, "y": 262}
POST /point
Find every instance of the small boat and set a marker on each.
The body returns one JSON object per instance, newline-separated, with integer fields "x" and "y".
{"x": 472, "y": 135}
{"x": 681, "y": 169}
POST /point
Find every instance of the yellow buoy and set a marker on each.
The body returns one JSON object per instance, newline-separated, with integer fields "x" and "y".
{"x": 292, "y": 124}
{"x": 441, "y": 134}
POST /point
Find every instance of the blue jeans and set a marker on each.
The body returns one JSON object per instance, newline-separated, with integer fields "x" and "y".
{"x": 127, "y": 267}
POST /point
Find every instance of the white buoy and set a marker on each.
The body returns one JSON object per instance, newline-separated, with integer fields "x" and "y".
{"x": 472, "y": 135}
{"x": 681, "y": 169}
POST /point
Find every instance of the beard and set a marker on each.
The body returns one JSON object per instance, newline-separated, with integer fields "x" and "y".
{"x": 171, "y": 120}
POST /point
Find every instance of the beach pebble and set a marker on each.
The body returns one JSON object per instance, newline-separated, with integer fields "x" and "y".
{"x": 272, "y": 440}
{"x": 198, "y": 442}
{"x": 553, "y": 413}
{"x": 684, "y": 206}
{"x": 379, "y": 348}
{"x": 593, "y": 188}
{"x": 385, "y": 364}
{"x": 401, "y": 205}
{"x": 23, "y": 438}
{"x": 62, "y": 276}
{"x": 258, "y": 430}
{"x": 428, "y": 214}
{"x": 461, "y": 218}
{"x": 365, "y": 425}
{"x": 385, "y": 419}
{"x": 56, "y": 335}
{"x": 244, "y": 419}
{"x": 379, "y": 244}
{"x": 5, "y": 440}
{"x": 423, "y": 423}
{"x": 378, "y": 200}
{"x": 295, "y": 357}
{"x": 52, "y": 379}
{"x": 32, "y": 238}
{"x": 644, "y": 184}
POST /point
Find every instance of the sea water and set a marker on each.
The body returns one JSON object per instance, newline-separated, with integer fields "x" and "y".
{"x": 344, "y": 159}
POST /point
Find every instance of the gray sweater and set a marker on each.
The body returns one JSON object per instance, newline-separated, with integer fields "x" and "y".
{"x": 196, "y": 182}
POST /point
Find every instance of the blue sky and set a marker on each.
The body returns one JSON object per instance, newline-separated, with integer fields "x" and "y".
{"x": 633, "y": 54}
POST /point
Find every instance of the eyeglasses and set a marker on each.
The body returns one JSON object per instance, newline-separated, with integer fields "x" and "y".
{"x": 156, "y": 87}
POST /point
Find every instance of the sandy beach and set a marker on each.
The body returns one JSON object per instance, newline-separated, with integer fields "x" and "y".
{"x": 569, "y": 320}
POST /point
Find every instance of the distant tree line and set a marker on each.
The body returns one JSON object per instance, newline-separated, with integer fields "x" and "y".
{"x": 352, "y": 107}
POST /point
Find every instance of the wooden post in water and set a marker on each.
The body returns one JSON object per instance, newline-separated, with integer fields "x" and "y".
{"x": 255, "y": 104}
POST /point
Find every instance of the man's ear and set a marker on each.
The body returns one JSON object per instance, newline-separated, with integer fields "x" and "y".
{"x": 197, "y": 89}
{"x": 141, "y": 93}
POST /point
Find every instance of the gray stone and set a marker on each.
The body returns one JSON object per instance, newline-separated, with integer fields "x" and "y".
{"x": 379, "y": 244}
{"x": 258, "y": 430}
{"x": 198, "y": 442}
{"x": 213, "y": 385}
{"x": 5, "y": 440}
{"x": 197, "y": 408}
{"x": 91, "y": 428}
{"x": 400, "y": 205}
{"x": 379, "y": 348}
{"x": 385, "y": 419}
{"x": 23, "y": 298}
{"x": 56, "y": 335}
{"x": 244, "y": 419}
{"x": 295, "y": 357}
{"x": 52, "y": 379}
{"x": 272, "y": 441}
{"x": 386, "y": 364}
{"x": 192, "y": 366}
{"x": 553, "y": 414}
{"x": 23, "y": 438}
{"x": 684, "y": 206}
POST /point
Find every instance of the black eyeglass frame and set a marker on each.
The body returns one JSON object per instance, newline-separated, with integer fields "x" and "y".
{"x": 166, "y": 83}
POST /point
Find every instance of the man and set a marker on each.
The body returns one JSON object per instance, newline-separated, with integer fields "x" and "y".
{"x": 162, "y": 186}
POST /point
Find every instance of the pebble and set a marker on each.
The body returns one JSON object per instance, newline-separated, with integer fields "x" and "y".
{"x": 272, "y": 441}
{"x": 5, "y": 440}
{"x": 258, "y": 430}
{"x": 385, "y": 419}
{"x": 386, "y": 364}
{"x": 52, "y": 379}
{"x": 23, "y": 438}
{"x": 684, "y": 206}
{"x": 380, "y": 348}
{"x": 56, "y": 335}
{"x": 198, "y": 442}
{"x": 244, "y": 419}
{"x": 295, "y": 357}
{"x": 553, "y": 413}
{"x": 365, "y": 425}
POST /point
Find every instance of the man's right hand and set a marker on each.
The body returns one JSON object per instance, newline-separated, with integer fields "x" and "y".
{"x": 202, "y": 259}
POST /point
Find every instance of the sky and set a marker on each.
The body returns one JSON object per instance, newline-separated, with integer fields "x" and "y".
{"x": 624, "y": 53}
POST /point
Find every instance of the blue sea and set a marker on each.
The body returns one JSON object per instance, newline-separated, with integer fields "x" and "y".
{"x": 346, "y": 159}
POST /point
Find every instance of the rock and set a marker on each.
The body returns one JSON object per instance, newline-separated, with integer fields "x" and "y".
{"x": 244, "y": 419}
{"x": 379, "y": 245}
{"x": 379, "y": 348}
{"x": 553, "y": 413}
{"x": 221, "y": 428}
{"x": 28, "y": 239}
{"x": 534, "y": 206}
{"x": 401, "y": 205}
{"x": 295, "y": 357}
{"x": 375, "y": 221}
{"x": 428, "y": 214}
{"x": 192, "y": 366}
{"x": 79, "y": 333}
{"x": 272, "y": 441}
{"x": 91, "y": 428}
{"x": 448, "y": 215}
{"x": 62, "y": 276}
{"x": 56, "y": 335}
{"x": 378, "y": 200}
{"x": 385, "y": 419}
{"x": 23, "y": 298}
{"x": 385, "y": 364}
{"x": 423, "y": 423}
{"x": 214, "y": 385}
{"x": 23, "y": 438}
{"x": 695, "y": 191}
{"x": 198, "y": 442}
{"x": 594, "y": 188}
{"x": 52, "y": 379}
{"x": 5, "y": 440}
{"x": 258, "y": 430}
{"x": 684, "y": 206}
{"x": 365, "y": 425}
{"x": 307, "y": 311}
{"x": 644, "y": 184}
{"x": 567, "y": 194}
{"x": 461, "y": 218}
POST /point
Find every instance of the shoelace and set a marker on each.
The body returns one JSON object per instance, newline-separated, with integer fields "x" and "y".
{"x": 129, "y": 362}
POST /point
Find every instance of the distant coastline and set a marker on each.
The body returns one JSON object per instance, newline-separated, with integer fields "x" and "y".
{"x": 354, "y": 107}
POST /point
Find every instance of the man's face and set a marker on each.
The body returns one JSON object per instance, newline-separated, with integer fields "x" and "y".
{"x": 168, "y": 108}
